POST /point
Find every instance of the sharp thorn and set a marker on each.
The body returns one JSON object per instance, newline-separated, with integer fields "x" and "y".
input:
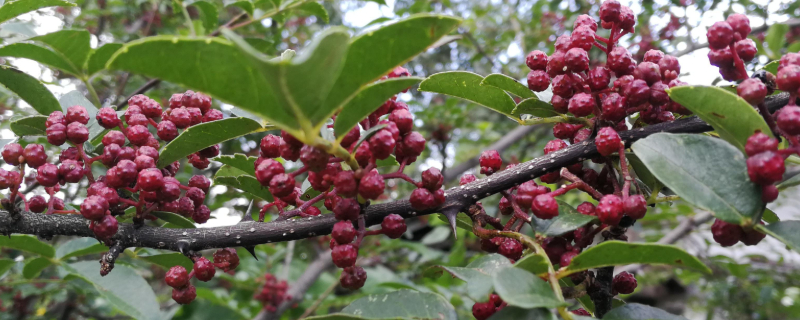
{"x": 451, "y": 218}
{"x": 248, "y": 214}
{"x": 252, "y": 250}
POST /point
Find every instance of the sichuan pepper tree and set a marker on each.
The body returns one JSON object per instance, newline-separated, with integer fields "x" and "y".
{"x": 339, "y": 128}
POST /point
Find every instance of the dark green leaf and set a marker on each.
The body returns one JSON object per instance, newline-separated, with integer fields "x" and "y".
{"x": 123, "y": 288}
{"x": 511, "y": 312}
{"x": 5, "y": 265}
{"x": 462, "y": 221}
{"x": 316, "y": 9}
{"x": 568, "y": 219}
{"x": 12, "y": 9}
{"x": 466, "y": 85}
{"x": 533, "y": 263}
{"x": 375, "y": 53}
{"x": 776, "y": 39}
{"x": 29, "y": 89}
{"x": 208, "y": 13}
{"x": 239, "y": 179}
{"x": 509, "y": 84}
{"x": 79, "y": 247}
{"x": 635, "y": 311}
{"x": 39, "y": 54}
{"x": 613, "y": 253}
{"x": 75, "y": 45}
{"x": 769, "y": 216}
{"x": 534, "y": 107}
{"x": 204, "y": 135}
{"x": 100, "y": 56}
{"x": 29, "y": 244}
{"x": 478, "y": 274}
{"x": 704, "y": 171}
{"x": 367, "y": 101}
{"x": 402, "y": 304}
{"x": 262, "y": 45}
{"x": 733, "y": 119}
{"x": 239, "y": 161}
{"x": 169, "y": 260}
{"x": 785, "y": 231}
{"x": 29, "y": 126}
{"x": 34, "y": 267}
{"x": 174, "y": 218}
{"x": 641, "y": 171}
{"x": 523, "y": 289}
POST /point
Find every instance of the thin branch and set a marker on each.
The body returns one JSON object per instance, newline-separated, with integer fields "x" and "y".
{"x": 254, "y": 233}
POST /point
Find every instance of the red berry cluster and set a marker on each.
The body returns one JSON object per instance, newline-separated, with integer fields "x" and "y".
{"x": 130, "y": 153}
{"x": 273, "y": 293}
{"x": 730, "y": 47}
{"x": 484, "y": 310}
{"x": 624, "y": 283}
{"x": 183, "y": 292}
{"x": 344, "y": 191}
{"x": 728, "y": 234}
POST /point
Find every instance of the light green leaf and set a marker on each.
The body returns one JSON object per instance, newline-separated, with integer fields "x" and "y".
{"x": 533, "y": 263}
{"x": 534, "y": 107}
{"x": 776, "y": 39}
{"x": 375, "y": 53}
{"x": 511, "y": 312}
{"x": 402, "y": 304}
{"x": 466, "y": 85}
{"x": 245, "y": 5}
{"x": 705, "y": 171}
{"x": 508, "y": 84}
{"x": 316, "y": 9}
{"x": 239, "y": 179}
{"x": 769, "y": 216}
{"x": 772, "y": 67}
{"x": 613, "y": 253}
{"x": 169, "y": 260}
{"x": 635, "y": 311}
{"x": 239, "y": 161}
{"x": 12, "y": 8}
{"x": 123, "y": 288}
{"x": 478, "y": 274}
{"x": 29, "y": 126}
{"x": 29, "y": 89}
{"x": 367, "y": 101}
{"x": 39, "y": 54}
{"x": 204, "y": 135}
{"x": 100, "y": 56}
{"x": 34, "y": 267}
{"x": 733, "y": 118}
{"x": 523, "y": 289}
{"x": 75, "y": 45}
{"x": 29, "y": 244}
{"x": 785, "y": 231}
{"x": 79, "y": 247}
{"x": 174, "y": 218}
{"x": 208, "y": 13}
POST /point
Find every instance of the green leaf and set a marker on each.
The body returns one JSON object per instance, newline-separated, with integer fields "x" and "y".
{"x": 402, "y": 304}
{"x": 320, "y": 64}
{"x": 776, "y": 39}
{"x": 100, "y": 56}
{"x": 34, "y": 267}
{"x": 733, "y": 118}
{"x": 29, "y": 126}
{"x": 704, "y": 171}
{"x": 335, "y": 316}
{"x": 635, "y": 311}
{"x": 239, "y": 161}
{"x": 262, "y": 45}
{"x": 466, "y": 85}
{"x": 245, "y": 5}
{"x": 375, "y": 53}
{"x": 511, "y": 312}
{"x": 523, "y": 289}
{"x": 208, "y": 13}
{"x": 785, "y": 231}
{"x": 29, "y": 244}
{"x": 462, "y": 221}
{"x": 79, "y": 247}
{"x": 75, "y": 45}
{"x": 641, "y": 171}
{"x": 613, "y": 253}
{"x": 568, "y": 219}
{"x": 533, "y": 263}
{"x": 534, "y": 107}
{"x": 123, "y": 288}
{"x": 772, "y": 67}
{"x": 5, "y": 265}
{"x": 367, "y": 101}
{"x": 12, "y": 8}
{"x": 169, "y": 260}
{"x": 508, "y": 84}
{"x": 39, "y": 54}
{"x": 174, "y": 218}
{"x": 316, "y": 9}
{"x": 769, "y": 216}
{"x": 478, "y": 275}
{"x": 204, "y": 135}
{"x": 29, "y": 89}
{"x": 230, "y": 176}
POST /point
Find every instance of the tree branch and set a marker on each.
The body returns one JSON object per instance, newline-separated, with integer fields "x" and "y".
{"x": 249, "y": 233}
